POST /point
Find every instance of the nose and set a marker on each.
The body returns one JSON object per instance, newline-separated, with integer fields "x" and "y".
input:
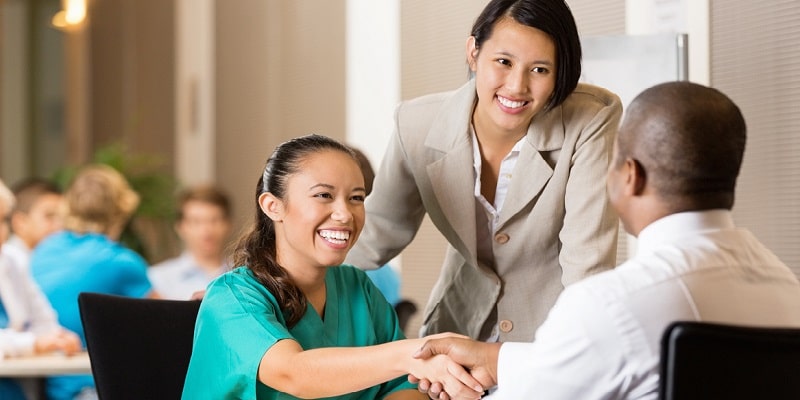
{"x": 517, "y": 81}
{"x": 342, "y": 213}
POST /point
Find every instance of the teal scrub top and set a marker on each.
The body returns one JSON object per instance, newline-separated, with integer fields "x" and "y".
{"x": 239, "y": 320}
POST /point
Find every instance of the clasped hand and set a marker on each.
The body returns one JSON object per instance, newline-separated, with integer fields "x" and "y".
{"x": 455, "y": 367}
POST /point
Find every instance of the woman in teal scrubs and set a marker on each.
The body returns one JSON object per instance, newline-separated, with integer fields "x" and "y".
{"x": 291, "y": 322}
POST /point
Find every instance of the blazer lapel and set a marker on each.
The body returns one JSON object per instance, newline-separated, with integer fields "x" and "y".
{"x": 452, "y": 175}
{"x": 532, "y": 172}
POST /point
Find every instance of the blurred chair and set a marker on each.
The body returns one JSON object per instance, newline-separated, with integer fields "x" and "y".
{"x": 405, "y": 309}
{"x": 139, "y": 348}
{"x": 712, "y": 361}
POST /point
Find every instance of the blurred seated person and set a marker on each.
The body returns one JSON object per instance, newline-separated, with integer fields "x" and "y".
{"x": 204, "y": 223}
{"x": 87, "y": 257}
{"x": 386, "y": 278}
{"x": 28, "y": 324}
{"x": 36, "y": 214}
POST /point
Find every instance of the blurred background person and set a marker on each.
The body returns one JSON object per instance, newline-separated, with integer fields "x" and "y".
{"x": 36, "y": 214}
{"x": 204, "y": 226}
{"x": 87, "y": 257}
{"x": 386, "y": 278}
{"x": 27, "y": 322}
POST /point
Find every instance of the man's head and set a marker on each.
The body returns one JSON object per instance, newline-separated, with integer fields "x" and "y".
{"x": 204, "y": 220}
{"x": 679, "y": 148}
{"x": 37, "y": 212}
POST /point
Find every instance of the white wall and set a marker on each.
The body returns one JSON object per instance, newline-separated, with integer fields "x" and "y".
{"x": 373, "y": 73}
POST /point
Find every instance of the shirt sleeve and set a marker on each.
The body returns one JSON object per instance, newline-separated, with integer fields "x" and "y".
{"x": 394, "y": 207}
{"x": 236, "y": 325}
{"x": 575, "y": 355}
{"x": 14, "y": 344}
{"x": 589, "y": 232}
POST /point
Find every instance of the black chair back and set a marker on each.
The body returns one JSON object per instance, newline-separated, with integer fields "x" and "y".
{"x": 712, "y": 361}
{"x": 139, "y": 348}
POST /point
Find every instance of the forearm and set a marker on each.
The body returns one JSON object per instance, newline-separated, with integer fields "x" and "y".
{"x": 334, "y": 371}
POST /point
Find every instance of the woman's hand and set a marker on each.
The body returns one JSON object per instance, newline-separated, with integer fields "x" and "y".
{"x": 451, "y": 376}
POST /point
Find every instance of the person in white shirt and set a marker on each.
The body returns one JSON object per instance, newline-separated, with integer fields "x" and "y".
{"x": 672, "y": 181}
{"x": 203, "y": 224}
{"x": 28, "y": 324}
{"x": 36, "y": 214}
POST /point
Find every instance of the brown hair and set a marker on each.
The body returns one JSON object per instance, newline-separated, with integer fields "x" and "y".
{"x": 208, "y": 194}
{"x": 30, "y": 190}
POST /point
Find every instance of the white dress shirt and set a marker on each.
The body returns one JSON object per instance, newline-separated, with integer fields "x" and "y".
{"x": 601, "y": 339}
{"x": 19, "y": 253}
{"x": 29, "y": 312}
{"x": 180, "y": 277}
{"x": 487, "y": 214}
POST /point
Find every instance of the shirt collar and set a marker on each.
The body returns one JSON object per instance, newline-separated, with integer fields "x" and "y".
{"x": 679, "y": 225}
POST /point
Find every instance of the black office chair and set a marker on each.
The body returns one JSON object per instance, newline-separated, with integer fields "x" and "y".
{"x": 711, "y": 361}
{"x": 139, "y": 348}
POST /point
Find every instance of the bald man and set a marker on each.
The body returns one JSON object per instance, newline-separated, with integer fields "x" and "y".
{"x": 676, "y": 160}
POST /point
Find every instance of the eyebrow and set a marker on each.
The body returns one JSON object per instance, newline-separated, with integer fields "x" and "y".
{"x": 509, "y": 55}
{"x": 331, "y": 187}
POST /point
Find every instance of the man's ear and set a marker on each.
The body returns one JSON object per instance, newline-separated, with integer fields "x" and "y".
{"x": 472, "y": 53}
{"x": 271, "y": 206}
{"x": 637, "y": 176}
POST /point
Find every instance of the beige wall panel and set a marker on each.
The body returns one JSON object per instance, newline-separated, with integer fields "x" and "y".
{"x": 279, "y": 74}
{"x": 755, "y": 59}
{"x": 132, "y": 70}
{"x": 599, "y": 17}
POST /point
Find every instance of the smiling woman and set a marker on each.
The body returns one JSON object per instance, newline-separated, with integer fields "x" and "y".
{"x": 293, "y": 320}
{"x": 509, "y": 168}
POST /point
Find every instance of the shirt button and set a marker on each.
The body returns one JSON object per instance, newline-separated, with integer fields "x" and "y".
{"x": 501, "y": 238}
{"x": 506, "y": 326}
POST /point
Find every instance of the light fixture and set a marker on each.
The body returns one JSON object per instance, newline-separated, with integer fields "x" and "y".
{"x": 72, "y": 16}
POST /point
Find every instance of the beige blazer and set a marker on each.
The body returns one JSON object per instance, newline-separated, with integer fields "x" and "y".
{"x": 556, "y": 225}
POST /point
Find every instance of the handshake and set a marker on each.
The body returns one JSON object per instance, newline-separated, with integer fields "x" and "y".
{"x": 452, "y": 366}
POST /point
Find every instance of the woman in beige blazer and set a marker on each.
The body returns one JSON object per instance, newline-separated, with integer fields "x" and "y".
{"x": 510, "y": 168}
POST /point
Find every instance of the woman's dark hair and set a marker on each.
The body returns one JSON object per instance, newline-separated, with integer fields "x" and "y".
{"x": 552, "y": 17}
{"x": 256, "y": 249}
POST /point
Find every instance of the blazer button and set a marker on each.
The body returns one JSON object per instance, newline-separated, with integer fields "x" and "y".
{"x": 506, "y": 326}
{"x": 501, "y": 238}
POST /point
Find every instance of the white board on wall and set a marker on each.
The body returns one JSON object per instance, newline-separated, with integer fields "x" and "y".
{"x": 628, "y": 64}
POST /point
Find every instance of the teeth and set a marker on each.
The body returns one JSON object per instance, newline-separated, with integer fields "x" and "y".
{"x": 335, "y": 236}
{"x": 509, "y": 103}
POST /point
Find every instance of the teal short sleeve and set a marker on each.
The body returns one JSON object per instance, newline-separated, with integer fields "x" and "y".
{"x": 239, "y": 320}
{"x": 237, "y": 323}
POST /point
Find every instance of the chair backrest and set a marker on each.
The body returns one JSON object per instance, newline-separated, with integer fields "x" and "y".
{"x": 139, "y": 348}
{"x": 713, "y": 361}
